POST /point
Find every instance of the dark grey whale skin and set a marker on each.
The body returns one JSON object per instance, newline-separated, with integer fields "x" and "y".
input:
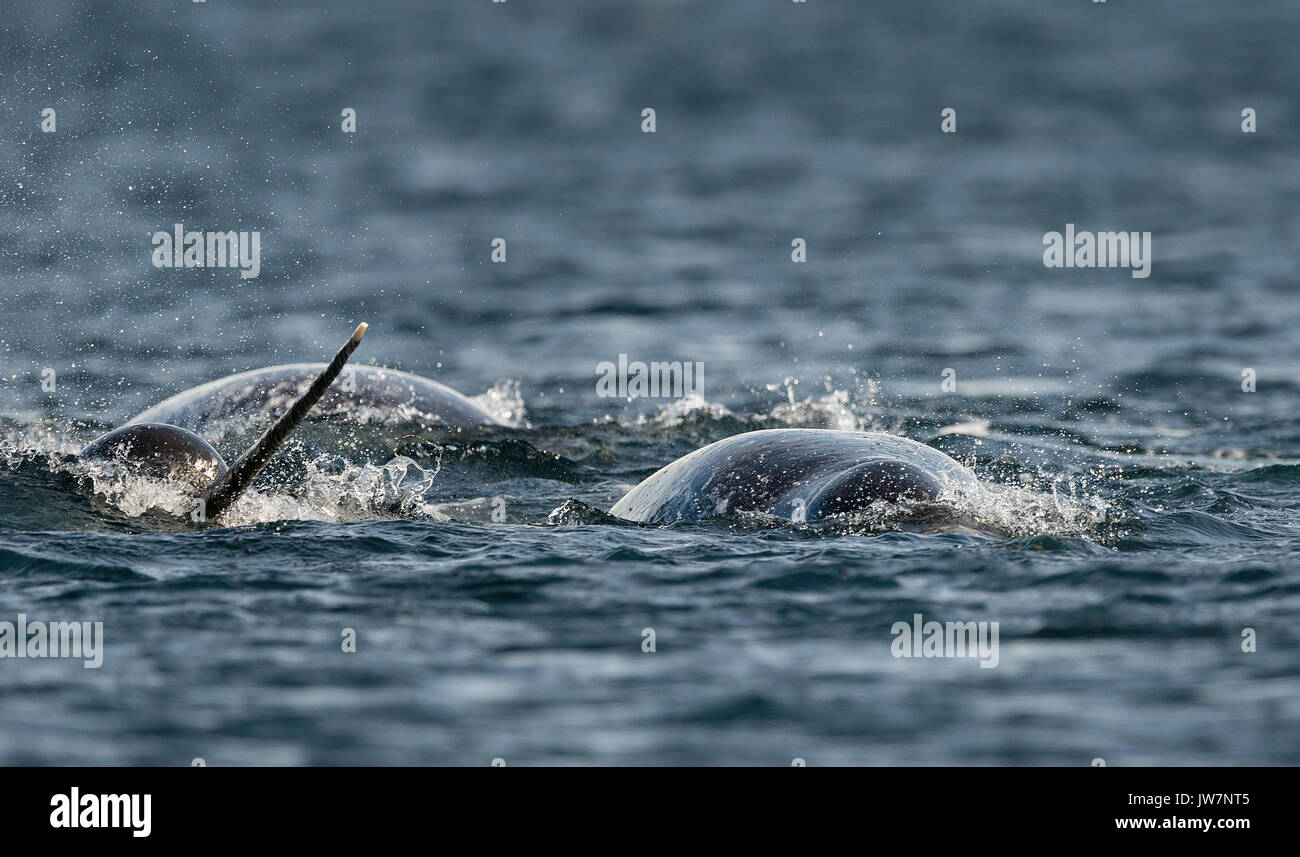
{"x": 275, "y": 388}
{"x": 771, "y": 471}
{"x": 162, "y": 451}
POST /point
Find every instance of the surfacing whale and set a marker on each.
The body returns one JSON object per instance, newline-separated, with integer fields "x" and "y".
{"x": 796, "y": 474}
{"x": 163, "y": 450}
{"x": 385, "y": 394}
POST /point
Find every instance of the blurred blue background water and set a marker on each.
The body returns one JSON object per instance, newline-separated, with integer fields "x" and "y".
{"x": 1165, "y": 524}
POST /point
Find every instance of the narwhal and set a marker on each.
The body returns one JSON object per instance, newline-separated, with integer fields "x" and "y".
{"x": 170, "y": 451}
{"x": 795, "y": 474}
{"x": 372, "y": 392}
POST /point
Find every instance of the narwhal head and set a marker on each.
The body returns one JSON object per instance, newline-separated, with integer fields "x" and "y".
{"x": 170, "y": 452}
{"x": 160, "y": 452}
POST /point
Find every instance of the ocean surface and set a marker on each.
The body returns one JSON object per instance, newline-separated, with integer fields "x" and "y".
{"x": 1139, "y": 532}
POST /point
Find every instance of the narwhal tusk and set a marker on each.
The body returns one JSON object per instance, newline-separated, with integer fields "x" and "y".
{"x": 227, "y": 487}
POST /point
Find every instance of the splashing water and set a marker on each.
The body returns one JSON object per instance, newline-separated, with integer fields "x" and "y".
{"x": 504, "y": 402}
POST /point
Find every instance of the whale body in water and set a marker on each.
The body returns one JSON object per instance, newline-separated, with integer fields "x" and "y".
{"x": 386, "y": 394}
{"x": 169, "y": 451}
{"x": 165, "y": 441}
{"x": 796, "y": 474}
